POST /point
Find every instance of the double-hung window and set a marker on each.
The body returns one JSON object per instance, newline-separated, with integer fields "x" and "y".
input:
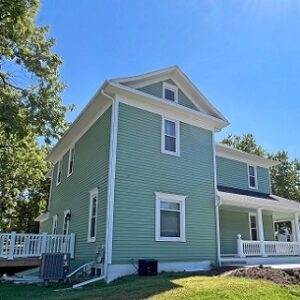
{"x": 93, "y": 215}
{"x": 66, "y": 223}
{"x": 54, "y": 224}
{"x": 71, "y": 160}
{"x": 252, "y": 177}
{"x": 170, "y": 137}
{"x": 253, "y": 227}
{"x": 170, "y": 217}
{"x": 59, "y": 172}
{"x": 170, "y": 92}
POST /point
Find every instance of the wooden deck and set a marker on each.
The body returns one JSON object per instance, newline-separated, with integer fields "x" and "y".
{"x": 20, "y": 262}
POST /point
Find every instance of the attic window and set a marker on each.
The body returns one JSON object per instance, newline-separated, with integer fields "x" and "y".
{"x": 170, "y": 92}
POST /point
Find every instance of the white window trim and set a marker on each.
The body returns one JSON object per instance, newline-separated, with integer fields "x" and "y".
{"x": 54, "y": 222}
{"x": 69, "y": 162}
{"x": 92, "y": 193}
{"x": 255, "y": 174}
{"x": 60, "y": 165}
{"x": 251, "y": 214}
{"x": 170, "y": 198}
{"x": 177, "y": 136}
{"x": 172, "y": 88}
{"x": 65, "y": 213}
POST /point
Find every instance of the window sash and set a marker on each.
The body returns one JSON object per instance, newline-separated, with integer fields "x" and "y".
{"x": 170, "y": 136}
{"x": 253, "y": 227}
{"x": 71, "y": 161}
{"x": 252, "y": 177}
{"x": 59, "y": 172}
{"x": 93, "y": 210}
{"x": 170, "y": 92}
{"x": 54, "y": 224}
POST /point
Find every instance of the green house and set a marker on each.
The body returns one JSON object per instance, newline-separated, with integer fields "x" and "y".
{"x": 138, "y": 175}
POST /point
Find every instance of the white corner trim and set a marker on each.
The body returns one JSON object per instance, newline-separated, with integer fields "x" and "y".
{"x": 111, "y": 182}
{"x": 69, "y": 160}
{"x": 177, "y": 136}
{"x": 255, "y": 177}
{"x": 92, "y": 193}
{"x": 172, "y": 88}
{"x": 175, "y": 199}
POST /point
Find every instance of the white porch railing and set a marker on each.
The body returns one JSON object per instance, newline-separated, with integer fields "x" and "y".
{"x": 33, "y": 245}
{"x": 266, "y": 248}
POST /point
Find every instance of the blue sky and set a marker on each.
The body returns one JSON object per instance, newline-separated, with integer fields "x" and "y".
{"x": 243, "y": 55}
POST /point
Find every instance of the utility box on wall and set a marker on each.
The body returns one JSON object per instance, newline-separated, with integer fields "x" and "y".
{"x": 147, "y": 267}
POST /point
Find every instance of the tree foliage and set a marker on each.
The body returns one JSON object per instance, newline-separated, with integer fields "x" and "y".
{"x": 284, "y": 177}
{"x": 31, "y": 111}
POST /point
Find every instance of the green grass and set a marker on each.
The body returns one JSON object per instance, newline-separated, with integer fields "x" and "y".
{"x": 164, "y": 286}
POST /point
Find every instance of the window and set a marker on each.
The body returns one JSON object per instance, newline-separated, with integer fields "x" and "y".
{"x": 71, "y": 160}
{"x": 252, "y": 178}
{"x": 170, "y": 137}
{"x": 59, "y": 172}
{"x": 93, "y": 215}
{"x": 170, "y": 217}
{"x": 66, "y": 223}
{"x": 170, "y": 92}
{"x": 54, "y": 224}
{"x": 253, "y": 227}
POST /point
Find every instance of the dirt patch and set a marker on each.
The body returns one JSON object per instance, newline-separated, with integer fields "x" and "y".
{"x": 283, "y": 277}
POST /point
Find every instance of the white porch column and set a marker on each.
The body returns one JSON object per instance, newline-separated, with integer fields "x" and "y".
{"x": 261, "y": 235}
{"x": 297, "y": 231}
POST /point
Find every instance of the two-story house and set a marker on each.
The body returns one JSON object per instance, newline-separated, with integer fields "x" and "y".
{"x": 139, "y": 175}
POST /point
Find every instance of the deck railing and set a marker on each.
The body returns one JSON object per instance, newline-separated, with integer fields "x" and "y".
{"x": 266, "y": 248}
{"x": 14, "y": 244}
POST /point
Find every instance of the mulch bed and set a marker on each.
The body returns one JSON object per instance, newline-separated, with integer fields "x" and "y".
{"x": 282, "y": 277}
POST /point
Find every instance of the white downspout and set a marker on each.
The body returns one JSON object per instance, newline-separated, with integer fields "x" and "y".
{"x": 110, "y": 192}
{"x": 217, "y": 203}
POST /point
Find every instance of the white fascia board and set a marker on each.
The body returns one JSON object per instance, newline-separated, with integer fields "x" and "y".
{"x": 169, "y": 109}
{"x": 238, "y": 155}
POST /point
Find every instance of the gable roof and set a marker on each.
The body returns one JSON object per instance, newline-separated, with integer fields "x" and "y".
{"x": 239, "y": 155}
{"x": 181, "y": 80}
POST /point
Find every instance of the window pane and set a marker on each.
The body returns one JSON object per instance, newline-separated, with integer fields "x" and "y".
{"x": 254, "y": 234}
{"x": 252, "y": 181}
{"x": 251, "y": 171}
{"x": 169, "y": 205}
{"x": 169, "y": 224}
{"x": 94, "y": 205}
{"x": 93, "y": 223}
{"x": 170, "y": 144}
{"x": 169, "y": 94}
{"x": 170, "y": 128}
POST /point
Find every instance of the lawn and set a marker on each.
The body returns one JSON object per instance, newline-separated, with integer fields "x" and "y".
{"x": 164, "y": 286}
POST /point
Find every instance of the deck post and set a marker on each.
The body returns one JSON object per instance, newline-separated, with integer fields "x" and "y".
{"x": 12, "y": 242}
{"x": 240, "y": 246}
{"x": 72, "y": 245}
{"x": 261, "y": 232}
{"x": 297, "y": 231}
{"x": 44, "y": 243}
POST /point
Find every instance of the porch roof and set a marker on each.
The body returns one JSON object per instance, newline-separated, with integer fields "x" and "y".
{"x": 251, "y": 199}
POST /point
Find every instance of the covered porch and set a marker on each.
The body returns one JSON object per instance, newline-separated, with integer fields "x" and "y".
{"x": 258, "y": 228}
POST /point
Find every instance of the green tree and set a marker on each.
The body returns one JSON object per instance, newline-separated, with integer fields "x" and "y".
{"x": 246, "y": 143}
{"x": 31, "y": 110}
{"x": 284, "y": 177}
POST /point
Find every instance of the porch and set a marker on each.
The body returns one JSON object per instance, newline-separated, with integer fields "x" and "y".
{"x": 257, "y": 228}
{"x": 25, "y": 248}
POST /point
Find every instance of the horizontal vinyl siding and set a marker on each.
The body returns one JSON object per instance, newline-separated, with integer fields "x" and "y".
{"x": 90, "y": 171}
{"x": 232, "y": 173}
{"x": 233, "y": 223}
{"x": 156, "y": 89}
{"x": 143, "y": 170}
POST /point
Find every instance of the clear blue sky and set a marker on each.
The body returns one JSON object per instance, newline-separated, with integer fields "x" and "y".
{"x": 243, "y": 55}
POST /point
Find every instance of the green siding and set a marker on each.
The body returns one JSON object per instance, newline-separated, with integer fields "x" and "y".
{"x": 156, "y": 89}
{"x": 233, "y": 223}
{"x": 232, "y": 173}
{"x": 142, "y": 170}
{"x": 90, "y": 171}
